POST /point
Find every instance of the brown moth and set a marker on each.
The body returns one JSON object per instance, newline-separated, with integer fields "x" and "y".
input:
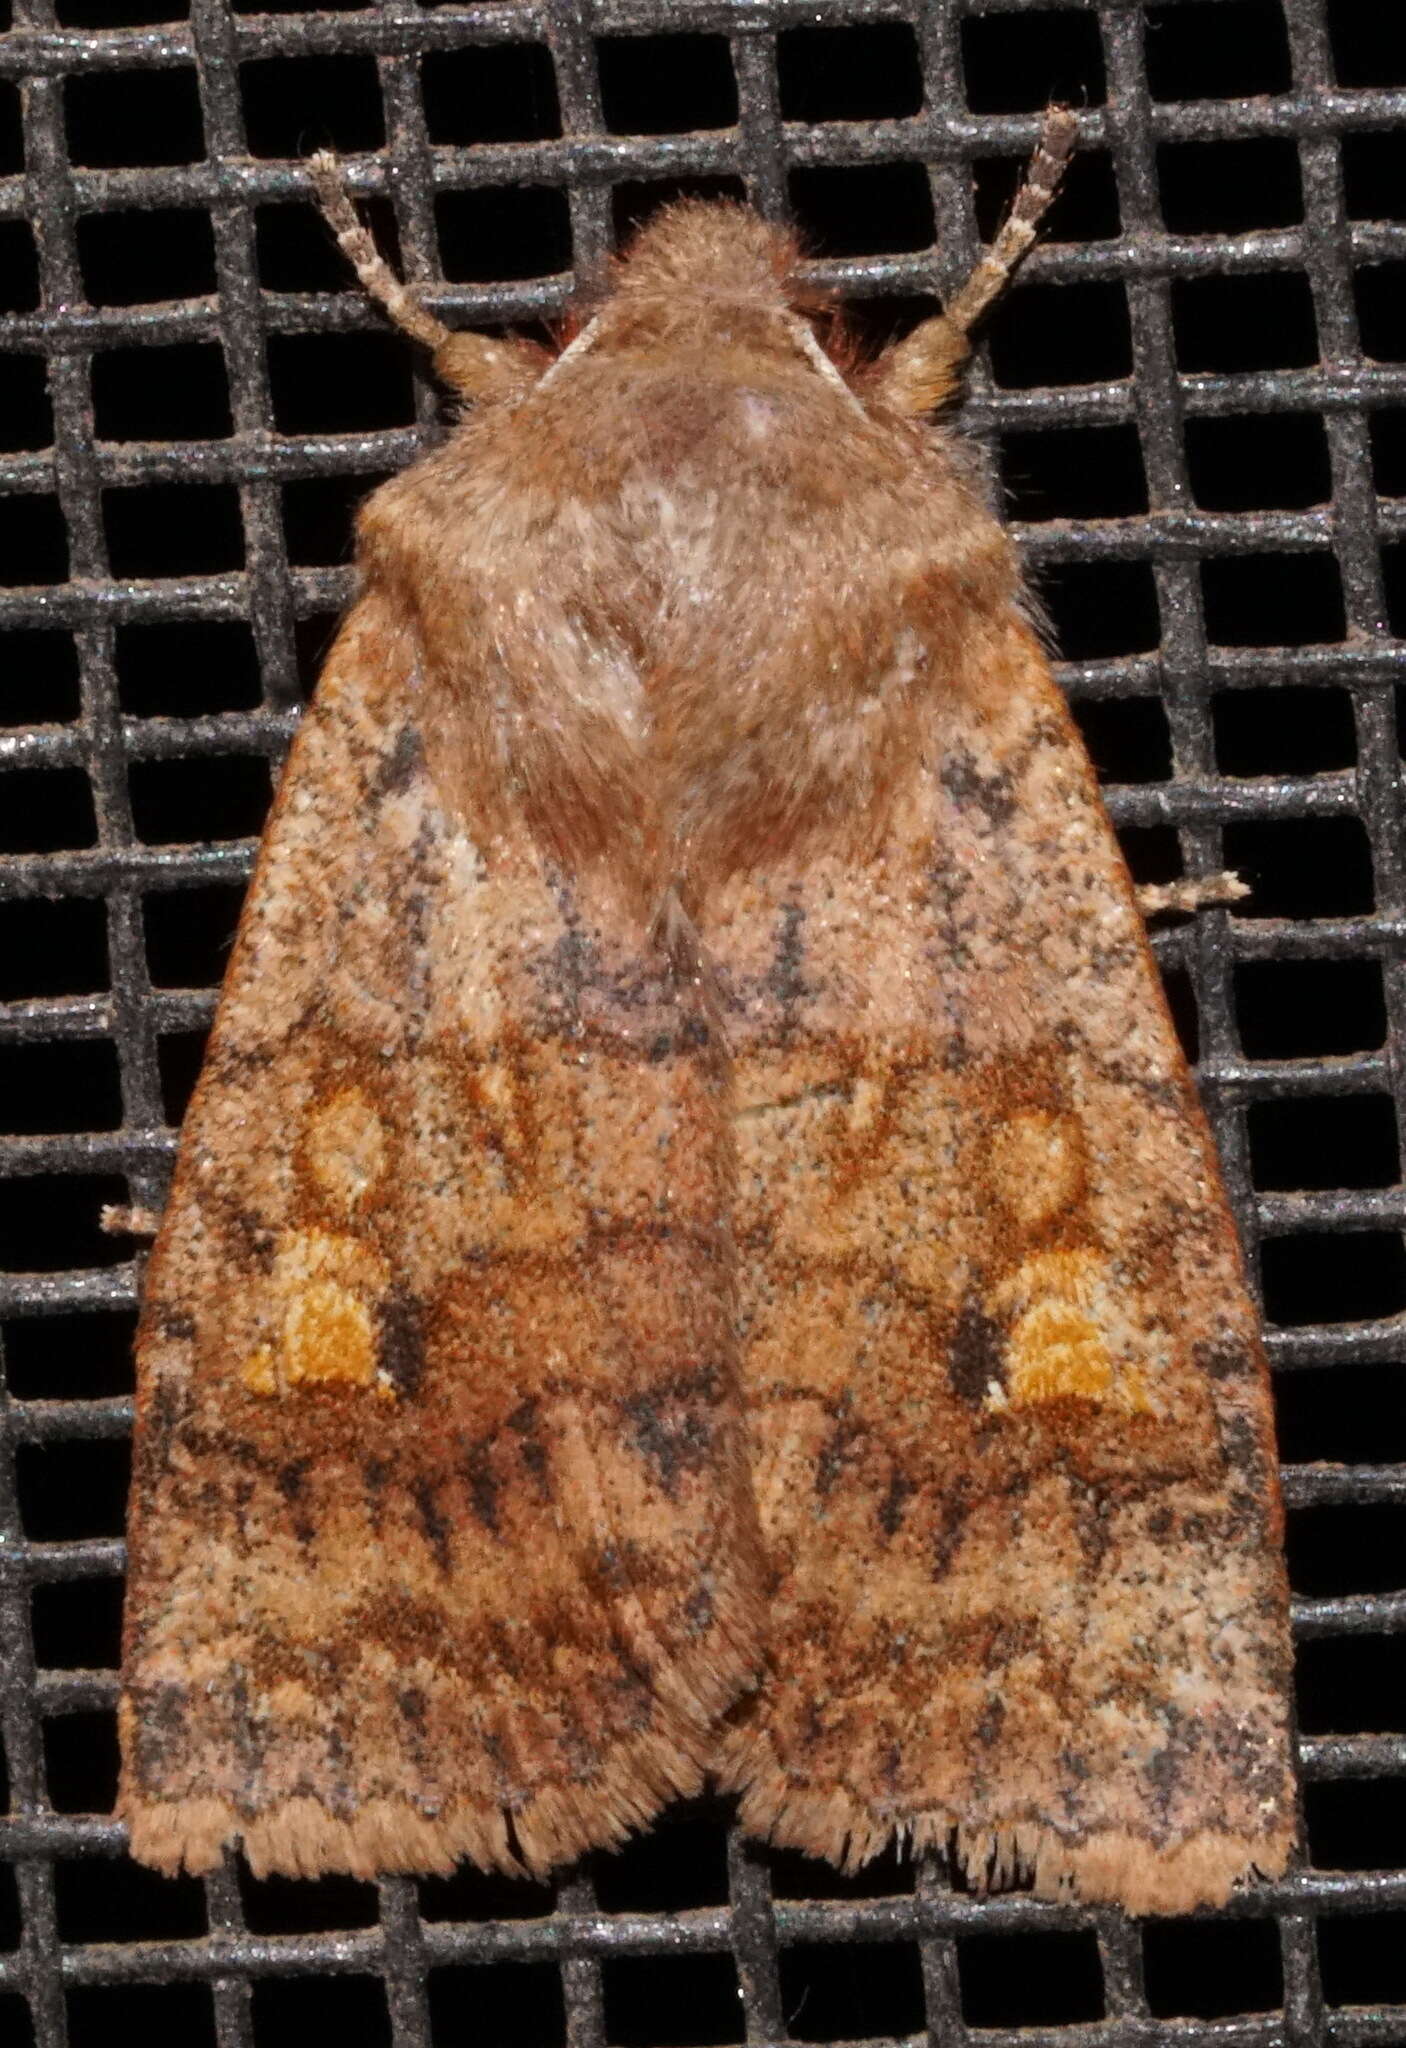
{"x": 695, "y": 1248}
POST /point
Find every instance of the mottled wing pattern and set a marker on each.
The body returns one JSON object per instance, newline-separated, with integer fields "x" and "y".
{"x": 441, "y": 1541}
{"x": 1009, "y": 1410}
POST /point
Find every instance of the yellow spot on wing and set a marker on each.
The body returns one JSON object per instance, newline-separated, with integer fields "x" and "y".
{"x": 1070, "y": 1276}
{"x": 1061, "y": 1307}
{"x": 328, "y": 1335}
{"x": 1055, "y": 1349}
{"x": 327, "y": 1288}
{"x": 307, "y": 1255}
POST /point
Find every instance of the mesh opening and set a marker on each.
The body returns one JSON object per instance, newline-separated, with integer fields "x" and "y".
{"x": 1189, "y": 404}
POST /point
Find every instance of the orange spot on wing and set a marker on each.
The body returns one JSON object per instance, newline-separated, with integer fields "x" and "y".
{"x": 1059, "y": 1345}
{"x": 327, "y": 1288}
{"x": 328, "y": 1336}
{"x": 1054, "y": 1350}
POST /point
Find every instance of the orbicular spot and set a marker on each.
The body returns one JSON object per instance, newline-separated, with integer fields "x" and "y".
{"x": 925, "y": 1263}
{"x": 327, "y": 1290}
{"x": 344, "y": 1148}
{"x": 1062, "y": 1308}
{"x": 1037, "y": 1165}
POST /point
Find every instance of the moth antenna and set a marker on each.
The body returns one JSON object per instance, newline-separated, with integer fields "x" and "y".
{"x": 922, "y": 371}
{"x": 1042, "y": 180}
{"x": 355, "y": 241}
{"x": 470, "y": 363}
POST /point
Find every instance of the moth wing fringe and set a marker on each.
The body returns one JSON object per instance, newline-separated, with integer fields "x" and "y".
{"x": 302, "y": 1838}
{"x": 1110, "y": 1867}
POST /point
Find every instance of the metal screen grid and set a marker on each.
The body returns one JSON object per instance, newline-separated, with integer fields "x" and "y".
{"x": 757, "y": 1925}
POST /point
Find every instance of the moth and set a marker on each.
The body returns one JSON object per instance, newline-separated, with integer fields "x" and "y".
{"x": 695, "y": 1250}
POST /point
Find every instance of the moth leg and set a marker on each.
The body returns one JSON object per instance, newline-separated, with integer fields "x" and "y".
{"x": 922, "y": 371}
{"x": 117, "y": 1220}
{"x": 1191, "y": 892}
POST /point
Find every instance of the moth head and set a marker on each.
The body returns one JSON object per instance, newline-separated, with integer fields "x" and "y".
{"x": 705, "y": 278}
{"x": 708, "y": 251}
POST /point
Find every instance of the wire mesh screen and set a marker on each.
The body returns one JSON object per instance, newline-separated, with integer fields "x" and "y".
{"x": 1188, "y": 403}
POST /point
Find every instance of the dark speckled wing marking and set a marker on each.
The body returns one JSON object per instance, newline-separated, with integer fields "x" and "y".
{"x": 441, "y": 1539}
{"x": 1010, "y": 1415}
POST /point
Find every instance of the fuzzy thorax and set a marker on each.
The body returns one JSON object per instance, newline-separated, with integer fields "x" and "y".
{"x": 694, "y": 603}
